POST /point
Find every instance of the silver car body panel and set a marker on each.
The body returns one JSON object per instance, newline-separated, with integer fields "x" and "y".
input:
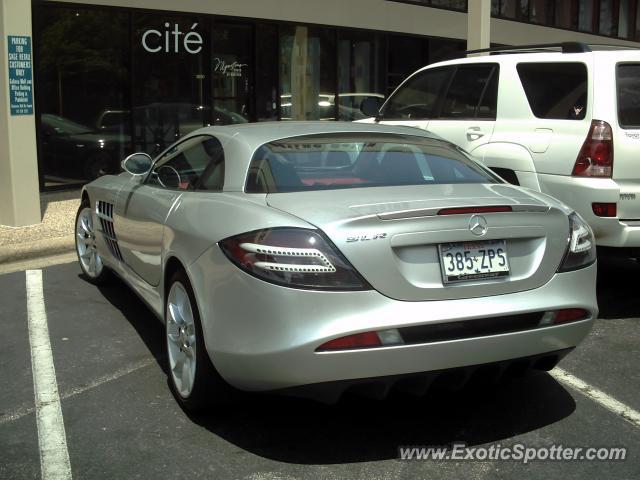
{"x": 262, "y": 336}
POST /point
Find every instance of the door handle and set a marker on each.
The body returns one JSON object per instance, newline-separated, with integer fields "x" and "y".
{"x": 474, "y": 133}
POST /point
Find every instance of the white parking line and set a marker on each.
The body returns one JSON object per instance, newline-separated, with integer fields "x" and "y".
{"x": 25, "y": 410}
{"x": 52, "y": 440}
{"x": 598, "y": 396}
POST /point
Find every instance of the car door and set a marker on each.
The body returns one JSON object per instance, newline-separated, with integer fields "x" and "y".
{"x": 468, "y": 109}
{"x": 146, "y": 207}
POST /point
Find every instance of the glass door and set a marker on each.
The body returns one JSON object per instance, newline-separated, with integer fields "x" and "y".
{"x": 232, "y": 74}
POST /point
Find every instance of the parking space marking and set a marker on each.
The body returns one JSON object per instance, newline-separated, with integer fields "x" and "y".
{"x": 25, "y": 410}
{"x": 608, "y": 402}
{"x": 52, "y": 440}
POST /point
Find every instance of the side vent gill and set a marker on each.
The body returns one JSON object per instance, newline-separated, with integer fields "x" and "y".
{"x": 105, "y": 214}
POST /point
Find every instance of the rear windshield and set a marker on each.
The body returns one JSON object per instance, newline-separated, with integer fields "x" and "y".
{"x": 324, "y": 162}
{"x": 629, "y": 95}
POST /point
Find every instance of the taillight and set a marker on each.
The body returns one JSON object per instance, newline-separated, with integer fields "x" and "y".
{"x": 581, "y": 248}
{"x": 604, "y": 209}
{"x": 381, "y": 338}
{"x": 293, "y": 257}
{"x": 596, "y": 155}
{"x": 565, "y": 315}
{"x": 467, "y": 210}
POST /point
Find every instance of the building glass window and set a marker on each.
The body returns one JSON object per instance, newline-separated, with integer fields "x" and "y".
{"x": 170, "y": 98}
{"x": 624, "y": 18}
{"x": 82, "y": 75}
{"x": 585, "y": 15}
{"x": 541, "y": 12}
{"x": 307, "y": 73}
{"x": 231, "y": 75}
{"x": 566, "y": 14}
{"x": 608, "y": 19}
{"x": 360, "y": 72}
{"x": 266, "y": 86}
{"x": 513, "y": 9}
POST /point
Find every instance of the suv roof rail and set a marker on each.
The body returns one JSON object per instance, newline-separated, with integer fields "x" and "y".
{"x": 565, "y": 47}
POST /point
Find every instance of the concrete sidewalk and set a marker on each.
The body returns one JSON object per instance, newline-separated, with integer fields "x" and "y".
{"x": 55, "y": 235}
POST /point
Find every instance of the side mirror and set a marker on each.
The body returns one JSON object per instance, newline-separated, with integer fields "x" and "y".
{"x": 137, "y": 164}
{"x": 370, "y": 106}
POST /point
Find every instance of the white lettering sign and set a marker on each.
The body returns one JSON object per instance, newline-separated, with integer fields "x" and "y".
{"x": 154, "y": 41}
{"x": 228, "y": 69}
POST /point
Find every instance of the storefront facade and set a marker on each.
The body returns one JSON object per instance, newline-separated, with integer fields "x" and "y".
{"x": 114, "y": 77}
{"x": 111, "y": 81}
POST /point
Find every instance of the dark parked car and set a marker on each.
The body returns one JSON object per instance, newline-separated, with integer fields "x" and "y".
{"x": 79, "y": 151}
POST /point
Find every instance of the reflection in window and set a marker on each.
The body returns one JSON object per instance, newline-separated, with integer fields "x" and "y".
{"x": 566, "y": 14}
{"x": 307, "y": 73}
{"x": 515, "y": 9}
{"x": 82, "y": 80}
{"x": 585, "y": 15}
{"x": 169, "y": 89}
{"x": 607, "y": 24}
{"x": 232, "y": 70}
{"x": 541, "y": 11}
{"x": 360, "y": 72}
{"x": 624, "y": 19}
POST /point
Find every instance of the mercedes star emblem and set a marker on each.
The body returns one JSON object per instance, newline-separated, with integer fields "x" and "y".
{"x": 478, "y": 225}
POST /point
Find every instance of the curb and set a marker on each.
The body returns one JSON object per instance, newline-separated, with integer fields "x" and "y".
{"x": 36, "y": 249}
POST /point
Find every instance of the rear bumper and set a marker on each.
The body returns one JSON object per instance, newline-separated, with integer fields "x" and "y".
{"x": 421, "y": 383}
{"x": 263, "y": 337}
{"x": 580, "y": 193}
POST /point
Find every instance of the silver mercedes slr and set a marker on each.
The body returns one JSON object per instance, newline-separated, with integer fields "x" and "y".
{"x": 311, "y": 258}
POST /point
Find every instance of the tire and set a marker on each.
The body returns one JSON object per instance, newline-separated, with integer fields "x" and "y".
{"x": 194, "y": 381}
{"x": 93, "y": 268}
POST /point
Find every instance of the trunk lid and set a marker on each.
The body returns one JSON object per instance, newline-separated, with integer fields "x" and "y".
{"x": 391, "y": 235}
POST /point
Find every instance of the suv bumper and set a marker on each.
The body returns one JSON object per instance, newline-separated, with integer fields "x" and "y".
{"x": 580, "y": 193}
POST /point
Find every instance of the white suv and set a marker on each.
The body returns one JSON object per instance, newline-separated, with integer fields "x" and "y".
{"x": 549, "y": 117}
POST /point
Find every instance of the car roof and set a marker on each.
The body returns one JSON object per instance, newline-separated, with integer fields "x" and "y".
{"x": 240, "y": 141}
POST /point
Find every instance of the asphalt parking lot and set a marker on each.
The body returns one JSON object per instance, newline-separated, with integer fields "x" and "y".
{"x": 122, "y": 422}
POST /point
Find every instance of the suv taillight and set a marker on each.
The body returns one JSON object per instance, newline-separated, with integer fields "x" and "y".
{"x": 596, "y": 155}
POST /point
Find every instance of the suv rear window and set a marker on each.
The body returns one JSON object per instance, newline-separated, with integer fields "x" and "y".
{"x": 332, "y": 161}
{"x": 555, "y": 90}
{"x": 628, "y": 84}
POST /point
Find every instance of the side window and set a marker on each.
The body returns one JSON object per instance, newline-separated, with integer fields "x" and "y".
{"x": 628, "y": 85}
{"x": 182, "y": 165}
{"x": 418, "y": 97}
{"x": 473, "y": 93}
{"x": 555, "y": 90}
{"x": 213, "y": 176}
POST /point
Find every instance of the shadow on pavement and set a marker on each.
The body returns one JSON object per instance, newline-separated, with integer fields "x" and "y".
{"x": 139, "y": 316}
{"x": 618, "y": 295}
{"x": 362, "y": 430}
{"x": 358, "y": 429}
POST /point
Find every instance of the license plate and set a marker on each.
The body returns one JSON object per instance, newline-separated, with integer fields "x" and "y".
{"x": 473, "y": 260}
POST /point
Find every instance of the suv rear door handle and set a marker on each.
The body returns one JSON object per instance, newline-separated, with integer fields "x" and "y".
{"x": 474, "y": 133}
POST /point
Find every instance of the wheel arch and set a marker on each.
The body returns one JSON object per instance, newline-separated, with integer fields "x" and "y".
{"x": 509, "y": 157}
